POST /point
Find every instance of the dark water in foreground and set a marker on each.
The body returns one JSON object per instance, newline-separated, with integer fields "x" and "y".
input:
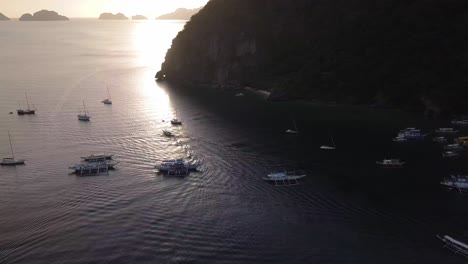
{"x": 346, "y": 211}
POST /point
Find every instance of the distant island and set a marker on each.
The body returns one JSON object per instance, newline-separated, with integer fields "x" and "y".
{"x": 110, "y": 16}
{"x": 180, "y": 14}
{"x": 139, "y": 17}
{"x": 3, "y": 17}
{"x": 43, "y": 15}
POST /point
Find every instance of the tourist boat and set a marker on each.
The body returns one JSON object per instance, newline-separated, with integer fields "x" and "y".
{"x": 450, "y": 154}
{"x": 107, "y": 101}
{"x": 168, "y": 133}
{"x": 176, "y": 167}
{"x": 455, "y": 147}
{"x": 284, "y": 178}
{"x": 458, "y": 182}
{"x": 454, "y": 245}
{"x": 97, "y": 157}
{"x": 326, "y": 147}
{"x": 27, "y": 111}
{"x": 97, "y": 167}
{"x": 439, "y": 139}
{"x": 391, "y": 163}
{"x": 293, "y": 131}
{"x": 11, "y": 161}
{"x": 85, "y": 116}
{"x": 446, "y": 130}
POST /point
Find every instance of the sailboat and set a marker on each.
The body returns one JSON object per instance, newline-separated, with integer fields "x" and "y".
{"x": 11, "y": 161}
{"x": 27, "y": 111}
{"x": 85, "y": 116}
{"x": 107, "y": 101}
{"x": 326, "y": 147}
{"x": 293, "y": 131}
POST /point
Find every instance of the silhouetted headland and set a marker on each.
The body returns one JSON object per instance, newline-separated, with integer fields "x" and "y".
{"x": 43, "y": 15}
{"x": 405, "y": 54}
{"x": 110, "y": 16}
{"x": 180, "y": 14}
{"x": 139, "y": 17}
{"x": 3, "y": 17}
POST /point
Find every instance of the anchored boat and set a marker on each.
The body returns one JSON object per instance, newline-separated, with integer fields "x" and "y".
{"x": 167, "y": 133}
{"x": 454, "y": 147}
{"x": 176, "y": 167}
{"x": 446, "y": 130}
{"x": 293, "y": 131}
{"x": 326, "y": 147}
{"x": 107, "y": 101}
{"x": 454, "y": 245}
{"x": 85, "y": 116}
{"x": 450, "y": 154}
{"x": 458, "y": 182}
{"x": 284, "y": 178}
{"x": 93, "y": 168}
{"x": 391, "y": 163}
{"x": 11, "y": 161}
{"x": 27, "y": 111}
{"x": 439, "y": 139}
{"x": 97, "y": 157}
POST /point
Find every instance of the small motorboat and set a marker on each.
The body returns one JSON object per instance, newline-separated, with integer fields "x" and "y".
{"x": 97, "y": 157}
{"x": 168, "y": 133}
{"x": 176, "y": 122}
{"x": 391, "y": 163}
{"x": 454, "y": 245}
{"x": 11, "y": 161}
{"x": 446, "y": 130}
{"x": 10, "y": 113}
{"x": 450, "y": 154}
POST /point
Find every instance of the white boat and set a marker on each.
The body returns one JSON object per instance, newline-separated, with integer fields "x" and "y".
{"x": 27, "y": 111}
{"x": 92, "y": 168}
{"x": 97, "y": 157}
{"x": 450, "y": 154}
{"x": 85, "y": 116}
{"x": 326, "y": 147}
{"x": 176, "y": 167}
{"x": 455, "y": 147}
{"x": 11, "y": 161}
{"x": 391, "y": 163}
{"x": 460, "y": 122}
{"x": 293, "y": 131}
{"x": 454, "y": 245}
{"x": 168, "y": 133}
{"x": 439, "y": 139}
{"x": 458, "y": 182}
{"x": 239, "y": 94}
{"x": 284, "y": 178}
{"x": 107, "y": 101}
{"x": 446, "y": 130}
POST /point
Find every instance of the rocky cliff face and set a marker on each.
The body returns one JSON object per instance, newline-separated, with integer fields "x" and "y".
{"x": 3, "y": 17}
{"x": 410, "y": 53}
{"x": 180, "y": 14}
{"x": 43, "y": 15}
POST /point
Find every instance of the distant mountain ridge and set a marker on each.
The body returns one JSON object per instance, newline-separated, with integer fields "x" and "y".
{"x": 3, "y": 17}
{"x": 43, "y": 15}
{"x": 180, "y": 14}
{"x": 139, "y": 17}
{"x": 410, "y": 54}
{"x": 110, "y": 16}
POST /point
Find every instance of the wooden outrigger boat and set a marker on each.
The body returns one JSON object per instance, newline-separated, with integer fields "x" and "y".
{"x": 454, "y": 245}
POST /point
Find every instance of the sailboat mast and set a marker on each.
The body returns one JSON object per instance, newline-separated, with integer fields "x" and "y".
{"x": 27, "y": 100}
{"x": 295, "y": 127}
{"x": 108, "y": 94}
{"x": 84, "y": 107}
{"x": 332, "y": 140}
{"x": 11, "y": 146}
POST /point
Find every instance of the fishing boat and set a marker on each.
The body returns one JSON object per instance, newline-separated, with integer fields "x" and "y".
{"x": 84, "y": 116}
{"x": 326, "y": 147}
{"x": 293, "y": 131}
{"x": 97, "y": 157}
{"x": 27, "y": 111}
{"x": 439, "y": 139}
{"x": 284, "y": 178}
{"x": 454, "y": 245}
{"x": 167, "y": 133}
{"x": 446, "y": 130}
{"x": 454, "y": 147}
{"x": 11, "y": 161}
{"x": 107, "y": 101}
{"x": 458, "y": 182}
{"x": 391, "y": 163}
{"x": 450, "y": 154}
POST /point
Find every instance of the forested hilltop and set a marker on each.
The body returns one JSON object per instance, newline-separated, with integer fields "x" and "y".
{"x": 404, "y": 53}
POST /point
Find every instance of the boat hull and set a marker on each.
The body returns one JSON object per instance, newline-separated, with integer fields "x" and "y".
{"x": 26, "y": 112}
{"x": 12, "y": 163}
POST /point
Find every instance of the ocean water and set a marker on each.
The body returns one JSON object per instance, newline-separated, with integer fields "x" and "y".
{"x": 346, "y": 211}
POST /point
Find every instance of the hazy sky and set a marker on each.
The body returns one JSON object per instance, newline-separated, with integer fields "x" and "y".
{"x": 92, "y": 8}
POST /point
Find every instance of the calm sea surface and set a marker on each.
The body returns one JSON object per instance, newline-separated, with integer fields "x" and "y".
{"x": 346, "y": 211}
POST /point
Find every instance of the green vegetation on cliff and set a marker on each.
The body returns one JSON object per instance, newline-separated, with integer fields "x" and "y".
{"x": 407, "y": 53}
